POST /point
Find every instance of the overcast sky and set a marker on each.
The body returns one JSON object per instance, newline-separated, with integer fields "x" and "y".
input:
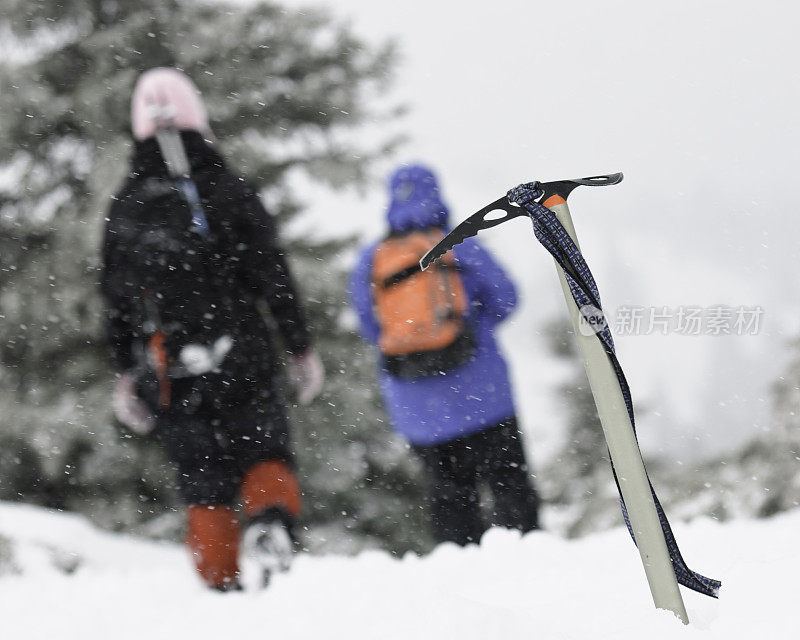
{"x": 695, "y": 102}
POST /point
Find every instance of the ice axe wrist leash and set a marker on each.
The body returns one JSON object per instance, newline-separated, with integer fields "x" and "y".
{"x": 546, "y": 205}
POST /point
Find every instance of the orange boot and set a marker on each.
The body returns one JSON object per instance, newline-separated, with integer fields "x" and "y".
{"x": 213, "y": 539}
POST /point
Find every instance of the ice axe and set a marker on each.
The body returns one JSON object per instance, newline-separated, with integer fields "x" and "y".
{"x": 546, "y": 205}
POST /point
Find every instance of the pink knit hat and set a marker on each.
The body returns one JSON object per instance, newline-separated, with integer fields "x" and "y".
{"x": 166, "y": 97}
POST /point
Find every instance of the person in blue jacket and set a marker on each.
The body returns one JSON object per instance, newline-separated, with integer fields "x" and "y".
{"x": 462, "y": 422}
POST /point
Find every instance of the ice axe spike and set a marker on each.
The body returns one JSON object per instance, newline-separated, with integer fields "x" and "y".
{"x": 482, "y": 219}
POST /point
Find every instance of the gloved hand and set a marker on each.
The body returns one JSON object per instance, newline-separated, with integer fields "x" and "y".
{"x": 129, "y": 409}
{"x": 307, "y": 375}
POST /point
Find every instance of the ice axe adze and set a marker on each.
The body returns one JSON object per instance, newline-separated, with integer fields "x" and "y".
{"x": 546, "y": 205}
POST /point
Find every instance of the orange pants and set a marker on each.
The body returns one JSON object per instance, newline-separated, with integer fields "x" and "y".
{"x": 213, "y": 529}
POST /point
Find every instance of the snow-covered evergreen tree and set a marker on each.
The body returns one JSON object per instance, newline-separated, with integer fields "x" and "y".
{"x": 786, "y": 402}
{"x": 760, "y": 478}
{"x": 283, "y": 88}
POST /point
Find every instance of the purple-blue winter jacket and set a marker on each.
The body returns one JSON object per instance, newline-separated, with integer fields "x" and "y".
{"x": 477, "y": 395}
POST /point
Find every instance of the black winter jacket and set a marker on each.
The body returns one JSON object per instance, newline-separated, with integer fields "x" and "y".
{"x": 159, "y": 274}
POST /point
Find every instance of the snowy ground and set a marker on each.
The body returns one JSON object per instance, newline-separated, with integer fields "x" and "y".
{"x": 73, "y": 581}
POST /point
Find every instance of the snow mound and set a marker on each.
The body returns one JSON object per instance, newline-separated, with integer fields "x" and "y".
{"x": 65, "y": 579}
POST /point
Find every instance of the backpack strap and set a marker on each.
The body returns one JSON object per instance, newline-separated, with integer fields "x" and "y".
{"x": 174, "y": 154}
{"x": 397, "y": 278}
{"x": 188, "y": 190}
{"x": 403, "y": 274}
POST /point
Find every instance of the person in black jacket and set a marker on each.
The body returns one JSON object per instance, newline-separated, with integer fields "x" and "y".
{"x": 189, "y": 252}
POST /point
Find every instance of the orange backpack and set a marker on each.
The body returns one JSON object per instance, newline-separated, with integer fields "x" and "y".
{"x": 421, "y": 313}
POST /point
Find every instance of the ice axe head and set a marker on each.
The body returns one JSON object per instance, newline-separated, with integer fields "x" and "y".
{"x": 548, "y": 194}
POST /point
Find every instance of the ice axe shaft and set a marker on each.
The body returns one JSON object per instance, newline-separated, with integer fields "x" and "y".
{"x": 622, "y": 446}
